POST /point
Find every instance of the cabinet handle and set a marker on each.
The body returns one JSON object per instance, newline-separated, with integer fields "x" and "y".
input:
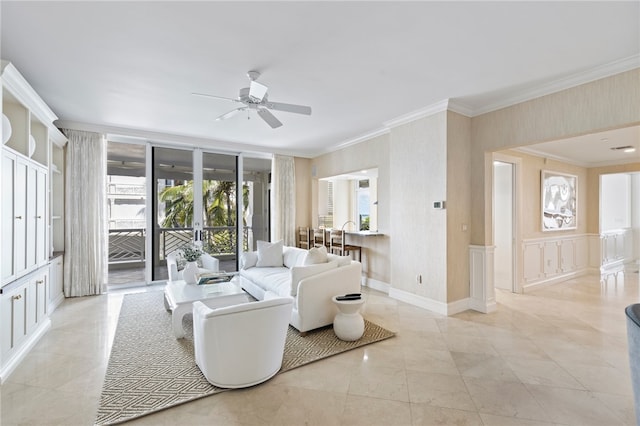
{"x": 39, "y": 217}
{"x": 17, "y": 297}
{"x": 40, "y": 282}
{"x": 18, "y": 217}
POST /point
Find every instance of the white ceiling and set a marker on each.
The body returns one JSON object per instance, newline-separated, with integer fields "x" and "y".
{"x": 130, "y": 67}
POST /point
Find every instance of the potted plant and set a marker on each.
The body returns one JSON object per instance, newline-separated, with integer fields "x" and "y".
{"x": 191, "y": 254}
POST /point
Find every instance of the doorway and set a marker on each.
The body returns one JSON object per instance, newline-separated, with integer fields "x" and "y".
{"x": 505, "y": 224}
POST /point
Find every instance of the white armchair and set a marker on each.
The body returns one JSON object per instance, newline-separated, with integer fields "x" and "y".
{"x": 209, "y": 264}
{"x": 241, "y": 345}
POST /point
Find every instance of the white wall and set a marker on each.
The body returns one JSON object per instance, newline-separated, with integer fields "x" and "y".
{"x": 615, "y": 202}
{"x": 503, "y": 224}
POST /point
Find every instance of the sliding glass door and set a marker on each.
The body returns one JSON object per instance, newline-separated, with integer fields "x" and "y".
{"x": 173, "y": 205}
{"x": 195, "y": 203}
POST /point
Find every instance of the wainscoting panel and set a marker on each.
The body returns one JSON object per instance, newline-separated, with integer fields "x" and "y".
{"x": 553, "y": 259}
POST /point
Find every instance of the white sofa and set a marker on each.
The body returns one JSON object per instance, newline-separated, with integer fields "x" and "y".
{"x": 310, "y": 286}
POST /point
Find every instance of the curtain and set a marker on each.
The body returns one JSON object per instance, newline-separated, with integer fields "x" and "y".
{"x": 283, "y": 200}
{"x": 85, "y": 226}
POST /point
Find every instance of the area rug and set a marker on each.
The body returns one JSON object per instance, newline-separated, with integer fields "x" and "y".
{"x": 150, "y": 370}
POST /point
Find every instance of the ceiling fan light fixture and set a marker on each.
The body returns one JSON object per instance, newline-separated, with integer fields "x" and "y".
{"x": 257, "y": 91}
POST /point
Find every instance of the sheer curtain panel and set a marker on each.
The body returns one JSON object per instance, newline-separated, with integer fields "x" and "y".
{"x": 283, "y": 200}
{"x": 85, "y": 191}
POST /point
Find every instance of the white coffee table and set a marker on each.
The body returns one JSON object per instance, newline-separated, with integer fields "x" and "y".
{"x": 348, "y": 323}
{"x": 179, "y": 297}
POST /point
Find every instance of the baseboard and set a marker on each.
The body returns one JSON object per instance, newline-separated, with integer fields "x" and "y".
{"x": 15, "y": 360}
{"x": 376, "y": 285}
{"x": 419, "y": 301}
{"x": 555, "y": 280}
{"x": 55, "y": 303}
{"x": 485, "y": 308}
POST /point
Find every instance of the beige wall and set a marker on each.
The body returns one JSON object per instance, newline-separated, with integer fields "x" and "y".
{"x": 611, "y": 102}
{"x": 376, "y": 258}
{"x": 418, "y": 231}
{"x": 448, "y": 157}
{"x": 458, "y": 205}
{"x": 531, "y": 194}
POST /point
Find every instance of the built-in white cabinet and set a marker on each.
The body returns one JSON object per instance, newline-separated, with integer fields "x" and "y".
{"x": 56, "y": 277}
{"x": 24, "y": 314}
{"x": 31, "y": 218}
{"x": 24, "y": 215}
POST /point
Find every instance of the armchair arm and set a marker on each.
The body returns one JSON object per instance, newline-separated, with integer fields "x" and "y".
{"x": 210, "y": 263}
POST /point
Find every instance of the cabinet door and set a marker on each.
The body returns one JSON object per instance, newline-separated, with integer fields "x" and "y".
{"x": 41, "y": 214}
{"x": 42, "y": 297}
{"x": 7, "y": 215}
{"x": 32, "y": 194}
{"x": 20, "y": 216}
{"x": 13, "y": 326}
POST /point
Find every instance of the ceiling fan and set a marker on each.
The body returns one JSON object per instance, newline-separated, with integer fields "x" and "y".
{"x": 255, "y": 97}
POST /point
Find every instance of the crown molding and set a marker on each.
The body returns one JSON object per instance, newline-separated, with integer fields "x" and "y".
{"x": 22, "y": 91}
{"x": 353, "y": 141}
{"x": 593, "y": 74}
{"x": 174, "y": 139}
{"x": 418, "y": 114}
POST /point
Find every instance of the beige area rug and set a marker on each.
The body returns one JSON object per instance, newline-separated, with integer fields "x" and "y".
{"x": 150, "y": 370}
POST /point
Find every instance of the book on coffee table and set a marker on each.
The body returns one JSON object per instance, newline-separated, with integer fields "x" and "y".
{"x": 214, "y": 277}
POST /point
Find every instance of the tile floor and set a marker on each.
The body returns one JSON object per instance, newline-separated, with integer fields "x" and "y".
{"x": 555, "y": 356}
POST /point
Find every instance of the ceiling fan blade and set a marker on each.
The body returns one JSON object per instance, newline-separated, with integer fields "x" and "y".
{"x": 204, "y": 95}
{"x": 230, "y": 114}
{"x": 257, "y": 90}
{"x": 297, "y": 109}
{"x": 269, "y": 118}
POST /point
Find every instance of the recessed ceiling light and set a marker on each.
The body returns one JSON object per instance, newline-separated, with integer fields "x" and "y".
{"x": 627, "y": 148}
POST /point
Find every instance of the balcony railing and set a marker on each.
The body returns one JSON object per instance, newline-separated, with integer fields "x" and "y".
{"x": 128, "y": 245}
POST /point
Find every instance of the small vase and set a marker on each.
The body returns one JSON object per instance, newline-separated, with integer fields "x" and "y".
{"x": 190, "y": 272}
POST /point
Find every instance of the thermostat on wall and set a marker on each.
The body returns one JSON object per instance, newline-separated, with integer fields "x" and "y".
{"x": 438, "y": 204}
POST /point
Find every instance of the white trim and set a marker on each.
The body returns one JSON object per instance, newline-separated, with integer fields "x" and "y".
{"x": 577, "y": 79}
{"x": 555, "y": 280}
{"x": 418, "y": 114}
{"x": 178, "y": 140}
{"x": 442, "y": 308}
{"x": 23, "y": 351}
{"x": 20, "y": 89}
{"x": 356, "y": 140}
{"x": 419, "y": 301}
{"x": 481, "y": 279}
{"x": 376, "y": 284}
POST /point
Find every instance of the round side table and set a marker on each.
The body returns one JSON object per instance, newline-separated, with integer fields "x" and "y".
{"x": 348, "y": 323}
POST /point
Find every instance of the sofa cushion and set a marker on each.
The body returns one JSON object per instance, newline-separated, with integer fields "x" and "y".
{"x": 269, "y": 254}
{"x": 315, "y": 256}
{"x": 294, "y": 256}
{"x": 299, "y": 273}
{"x": 275, "y": 280}
{"x": 342, "y": 260}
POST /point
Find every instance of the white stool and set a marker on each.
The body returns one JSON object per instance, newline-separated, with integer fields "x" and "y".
{"x": 348, "y": 323}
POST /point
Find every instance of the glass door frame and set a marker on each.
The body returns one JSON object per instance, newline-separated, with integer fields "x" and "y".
{"x": 197, "y": 225}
